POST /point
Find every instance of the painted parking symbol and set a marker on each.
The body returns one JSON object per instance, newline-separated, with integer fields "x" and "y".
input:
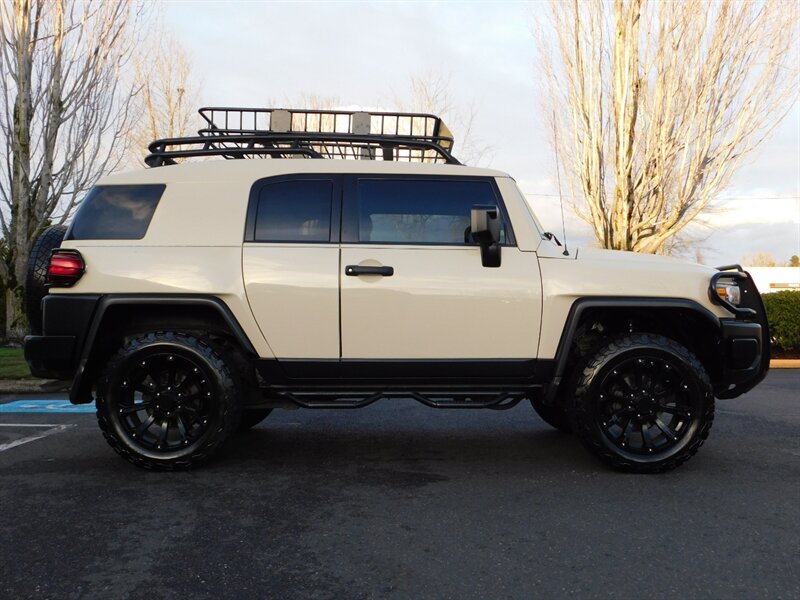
{"x": 45, "y": 406}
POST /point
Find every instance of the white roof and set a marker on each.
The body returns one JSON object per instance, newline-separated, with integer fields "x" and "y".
{"x": 252, "y": 169}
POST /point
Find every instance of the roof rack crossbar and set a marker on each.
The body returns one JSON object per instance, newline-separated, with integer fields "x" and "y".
{"x": 158, "y": 159}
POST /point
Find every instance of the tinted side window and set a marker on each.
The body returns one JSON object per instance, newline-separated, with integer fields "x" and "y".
{"x": 115, "y": 212}
{"x": 411, "y": 211}
{"x": 295, "y": 211}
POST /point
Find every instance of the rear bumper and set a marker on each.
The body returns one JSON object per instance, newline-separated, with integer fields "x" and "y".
{"x": 66, "y": 319}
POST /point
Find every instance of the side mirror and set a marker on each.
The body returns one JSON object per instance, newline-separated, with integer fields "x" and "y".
{"x": 485, "y": 229}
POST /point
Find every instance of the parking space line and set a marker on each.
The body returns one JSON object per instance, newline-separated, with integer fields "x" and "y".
{"x": 30, "y": 424}
{"x": 32, "y": 438}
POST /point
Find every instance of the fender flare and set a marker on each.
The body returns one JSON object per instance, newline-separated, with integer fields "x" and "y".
{"x": 582, "y": 304}
{"x": 81, "y": 391}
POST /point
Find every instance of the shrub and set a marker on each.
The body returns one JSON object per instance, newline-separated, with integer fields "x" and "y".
{"x": 783, "y": 314}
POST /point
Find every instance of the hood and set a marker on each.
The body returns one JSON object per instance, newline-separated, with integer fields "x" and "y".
{"x": 631, "y": 257}
{"x": 620, "y": 259}
{"x": 638, "y": 262}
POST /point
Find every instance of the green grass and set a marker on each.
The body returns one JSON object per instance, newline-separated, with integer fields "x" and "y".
{"x": 12, "y": 364}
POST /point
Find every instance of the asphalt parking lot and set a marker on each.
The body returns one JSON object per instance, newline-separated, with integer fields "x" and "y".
{"x": 401, "y": 501}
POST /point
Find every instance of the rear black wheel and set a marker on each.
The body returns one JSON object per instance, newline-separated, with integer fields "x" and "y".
{"x": 643, "y": 404}
{"x": 36, "y": 277}
{"x": 167, "y": 401}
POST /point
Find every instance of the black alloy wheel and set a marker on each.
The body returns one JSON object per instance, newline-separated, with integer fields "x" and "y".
{"x": 167, "y": 401}
{"x": 643, "y": 404}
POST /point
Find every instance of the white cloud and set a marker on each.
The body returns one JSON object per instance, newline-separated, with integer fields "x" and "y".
{"x": 755, "y": 209}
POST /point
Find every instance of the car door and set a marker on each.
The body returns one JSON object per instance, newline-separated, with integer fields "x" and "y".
{"x": 425, "y": 305}
{"x": 290, "y": 264}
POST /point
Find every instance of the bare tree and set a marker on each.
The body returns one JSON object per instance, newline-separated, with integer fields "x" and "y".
{"x": 655, "y": 104}
{"x": 760, "y": 259}
{"x": 313, "y": 101}
{"x": 64, "y": 108}
{"x": 430, "y": 92}
{"x": 168, "y": 98}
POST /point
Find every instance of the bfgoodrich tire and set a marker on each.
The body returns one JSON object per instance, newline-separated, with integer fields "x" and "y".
{"x": 36, "y": 277}
{"x": 168, "y": 400}
{"x": 643, "y": 404}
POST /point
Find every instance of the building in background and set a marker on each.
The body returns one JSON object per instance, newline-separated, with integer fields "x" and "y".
{"x": 775, "y": 279}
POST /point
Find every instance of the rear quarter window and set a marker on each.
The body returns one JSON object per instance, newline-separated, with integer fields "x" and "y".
{"x": 116, "y": 212}
{"x": 295, "y": 211}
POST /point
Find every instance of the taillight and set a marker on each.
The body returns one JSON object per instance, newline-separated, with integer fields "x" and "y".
{"x": 66, "y": 268}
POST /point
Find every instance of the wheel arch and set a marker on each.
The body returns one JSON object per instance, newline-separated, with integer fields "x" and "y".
{"x": 119, "y": 316}
{"x": 680, "y": 319}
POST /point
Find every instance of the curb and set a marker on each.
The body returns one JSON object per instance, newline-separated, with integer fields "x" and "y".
{"x": 33, "y": 386}
{"x": 784, "y": 363}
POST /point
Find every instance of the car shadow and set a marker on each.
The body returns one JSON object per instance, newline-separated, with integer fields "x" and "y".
{"x": 445, "y": 450}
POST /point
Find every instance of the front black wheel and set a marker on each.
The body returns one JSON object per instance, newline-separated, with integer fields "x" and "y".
{"x": 167, "y": 401}
{"x": 643, "y": 404}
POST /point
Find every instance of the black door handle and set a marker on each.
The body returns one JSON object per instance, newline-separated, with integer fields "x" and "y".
{"x": 355, "y": 270}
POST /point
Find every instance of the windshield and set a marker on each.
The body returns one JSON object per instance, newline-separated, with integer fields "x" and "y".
{"x": 527, "y": 205}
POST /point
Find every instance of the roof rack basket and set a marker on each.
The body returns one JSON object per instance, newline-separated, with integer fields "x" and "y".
{"x": 281, "y": 133}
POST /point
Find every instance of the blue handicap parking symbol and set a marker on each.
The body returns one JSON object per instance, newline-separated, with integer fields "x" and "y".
{"x": 45, "y": 406}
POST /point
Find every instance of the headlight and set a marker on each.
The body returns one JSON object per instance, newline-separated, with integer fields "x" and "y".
{"x": 729, "y": 292}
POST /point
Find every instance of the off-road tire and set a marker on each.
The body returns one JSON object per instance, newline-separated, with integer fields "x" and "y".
{"x": 222, "y": 397}
{"x": 36, "y": 276}
{"x": 247, "y": 382}
{"x": 591, "y": 426}
{"x": 251, "y": 418}
{"x": 554, "y": 416}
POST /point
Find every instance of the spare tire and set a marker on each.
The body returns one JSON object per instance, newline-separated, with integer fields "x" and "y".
{"x": 36, "y": 278}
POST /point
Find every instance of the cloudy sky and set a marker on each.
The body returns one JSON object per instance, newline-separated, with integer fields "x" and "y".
{"x": 364, "y": 54}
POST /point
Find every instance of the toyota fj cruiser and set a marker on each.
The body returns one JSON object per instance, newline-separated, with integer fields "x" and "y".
{"x": 189, "y": 300}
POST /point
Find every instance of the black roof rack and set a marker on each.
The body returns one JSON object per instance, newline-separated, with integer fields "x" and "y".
{"x": 291, "y": 133}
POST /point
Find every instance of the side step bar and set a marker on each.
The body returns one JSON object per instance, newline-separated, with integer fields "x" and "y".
{"x": 495, "y": 401}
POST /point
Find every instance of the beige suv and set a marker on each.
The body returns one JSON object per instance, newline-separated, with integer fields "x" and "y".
{"x": 190, "y": 300}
